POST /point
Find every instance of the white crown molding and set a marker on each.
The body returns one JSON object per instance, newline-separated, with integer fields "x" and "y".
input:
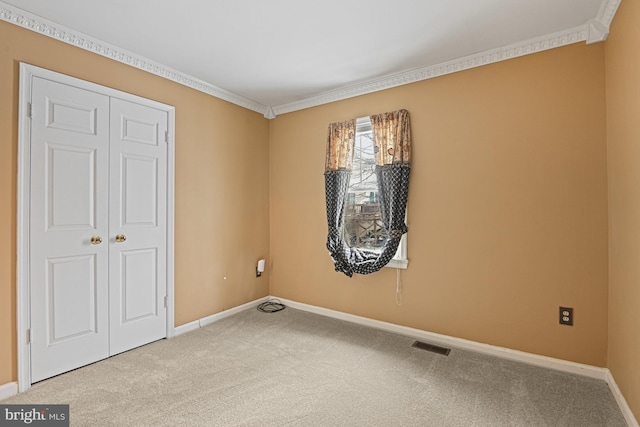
{"x": 599, "y": 27}
{"x": 515, "y": 50}
{"x": 607, "y": 11}
{"x": 59, "y": 32}
{"x": 596, "y": 30}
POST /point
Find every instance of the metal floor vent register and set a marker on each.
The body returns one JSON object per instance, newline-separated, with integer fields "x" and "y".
{"x": 432, "y": 348}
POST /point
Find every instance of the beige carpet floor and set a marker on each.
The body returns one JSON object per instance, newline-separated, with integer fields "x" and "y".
{"x": 294, "y": 368}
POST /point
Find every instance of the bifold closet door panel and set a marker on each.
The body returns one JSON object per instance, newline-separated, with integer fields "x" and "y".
{"x": 138, "y": 224}
{"x": 69, "y": 228}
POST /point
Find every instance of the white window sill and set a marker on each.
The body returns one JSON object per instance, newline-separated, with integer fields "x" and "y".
{"x": 398, "y": 263}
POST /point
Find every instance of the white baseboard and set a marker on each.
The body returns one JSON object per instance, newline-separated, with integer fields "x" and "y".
{"x": 7, "y": 390}
{"x": 191, "y": 326}
{"x": 622, "y": 402}
{"x": 533, "y": 359}
{"x": 187, "y": 327}
{"x": 230, "y": 312}
{"x": 447, "y": 341}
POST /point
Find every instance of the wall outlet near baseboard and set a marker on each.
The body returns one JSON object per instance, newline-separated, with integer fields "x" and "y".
{"x": 566, "y": 316}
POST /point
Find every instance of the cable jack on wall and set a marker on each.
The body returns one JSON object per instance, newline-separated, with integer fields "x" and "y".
{"x": 260, "y": 268}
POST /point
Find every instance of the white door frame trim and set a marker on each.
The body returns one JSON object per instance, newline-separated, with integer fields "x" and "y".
{"x": 27, "y": 72}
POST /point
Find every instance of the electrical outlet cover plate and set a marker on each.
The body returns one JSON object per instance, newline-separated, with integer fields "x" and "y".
{"x": 566, "y": 316}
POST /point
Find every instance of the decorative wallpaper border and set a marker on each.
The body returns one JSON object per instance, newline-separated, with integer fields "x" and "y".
{"x": 594, "y": 31}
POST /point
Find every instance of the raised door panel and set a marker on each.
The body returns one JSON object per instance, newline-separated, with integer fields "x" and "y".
{"x": 139, "y": 285}
{"x": 70, "y": 170}
{"x": 139, "y": 198}
{"x": 71, "y": 280}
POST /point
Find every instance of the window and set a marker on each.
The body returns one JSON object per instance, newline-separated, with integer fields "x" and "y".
{"x": 363, "y": 222}
{"x": 370, "y": 209}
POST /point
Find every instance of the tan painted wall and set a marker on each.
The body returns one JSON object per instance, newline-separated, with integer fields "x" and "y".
{"x": 507, "y": 206}
{"x": 507, "y": 211}
{"x": 222, "y": 203}
{"x": 623, "y": 148}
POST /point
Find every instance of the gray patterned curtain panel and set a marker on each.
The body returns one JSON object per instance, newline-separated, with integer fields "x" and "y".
{"x": 392, "y": 148}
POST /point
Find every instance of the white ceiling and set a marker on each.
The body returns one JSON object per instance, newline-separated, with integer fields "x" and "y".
{"x": 282, "y": 55}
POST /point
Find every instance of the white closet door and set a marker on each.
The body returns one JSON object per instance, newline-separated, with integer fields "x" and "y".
{"x": 138, "y": 224}
{"x": 97, "y": 226}
{"x": 69, "y": 196}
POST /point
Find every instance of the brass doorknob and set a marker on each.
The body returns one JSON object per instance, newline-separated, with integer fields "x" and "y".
{"x": 96, "y": 240}
{"x": 121, "y": 238}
